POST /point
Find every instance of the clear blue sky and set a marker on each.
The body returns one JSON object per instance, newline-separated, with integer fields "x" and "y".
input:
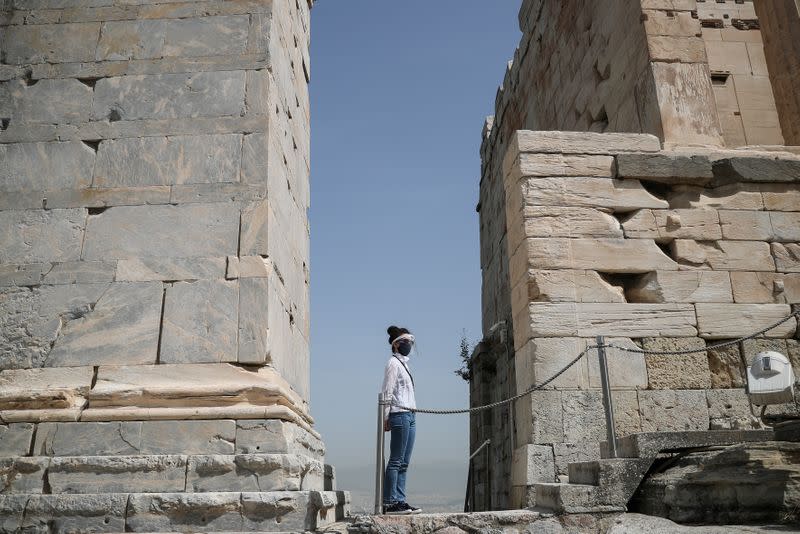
{"x": 399, "y": 93}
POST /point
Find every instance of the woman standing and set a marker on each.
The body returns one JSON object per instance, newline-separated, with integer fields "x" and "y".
{"x": 398, "y": 390}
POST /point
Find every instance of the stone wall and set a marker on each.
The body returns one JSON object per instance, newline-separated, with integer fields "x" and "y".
{"x": 154, "y": 185}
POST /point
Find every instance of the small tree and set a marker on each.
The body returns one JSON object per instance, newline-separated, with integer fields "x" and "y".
{"x": 465, "y": 371}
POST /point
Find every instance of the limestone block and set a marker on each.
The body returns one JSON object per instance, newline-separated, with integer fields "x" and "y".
{"x": 626, "y": 412}
{"x": 675, "y": 24}
{"x": 32, "y": 319}
{"x": 676, "y": 48}
{"x": 117, "y": 474}
{"x": 617, "y": 195}
{"x": 80, "y": 272}
{"x": 730, "y": 197}
{"x": 776, "y": 288}
{"x": 190, "y": 231}
{"x": 12, "y": 509}
{"x": 121, "y": 328}
{"x": 567, "y": 286}
{"x": 200, "y": 322}
{"x": 612, "y": 319}
{"x": 669, "y": 167}
{"x": 183, "y": 159}
{"x": 781, "y": 197}
{"x": 564, "y": 165}
{"x": 192, "y": 391}
{"x": 67, "y": 101}
{"x": 276, "y": 437}
{"x": 729, "y": 409}
{"x": 724, "y": 255}
{"x": 785, "y": 225}
{"x": 31, "y": 236}
{"x": 663, "y": 225}
{"x": 254, "y": 267}
{"x": 75, "y": 513}
{"x": 102, "y": 198}
{"x": 757, "y": 169}
{"x": 29, "y": 274}
{"x": 745, "y": 225}
{"x": 254, "y": 233}
{"x": 44, "y": 394}
{"x": 720, "y": 321}
{"x": 50, "y": 43}
{"x": 540, "y": 221}
{"x": 787, "y": 257}
{"x": 169, "y": 96}
{"x": 162, "y": 38}
{"x": 583, "y": 416}
{"x": 626, "y": 370}
{"x": 146, "y": 269}
{"x": 727, "y": 368}
{"x": 22, "y": 475}
{"x": 682, "y": 286}
{"x": 751, "y": 347}
{"x": 253, "y": 472}
{"x": 253, "y": 320}
{"x": 540, "y": 418}
{"x": 605, "y": 255}
{"x": 541, "y": 358}
{"x": 672, "y": 411}
{"x": 15, "y": 439}
{"x": 569, "y": 452}
{"x": 677, "y": 371}
{"x": 531, "y": 464}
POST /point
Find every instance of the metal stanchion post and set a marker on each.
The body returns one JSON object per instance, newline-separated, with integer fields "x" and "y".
{"x": 608, "y": 405}
{"x": 379, "y": 468}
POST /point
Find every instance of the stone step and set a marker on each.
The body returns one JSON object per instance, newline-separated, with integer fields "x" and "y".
{"x": 288, "y": 511}
{"x": 571, "y": 498}
{"x": 650, "y": 444}
{"x": 617, "y": 479}
{"x": 161, "y": 473}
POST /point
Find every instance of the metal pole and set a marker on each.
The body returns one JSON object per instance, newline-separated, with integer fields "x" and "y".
{"x": 379, "y": 468}
{"x": 608, "y": 405}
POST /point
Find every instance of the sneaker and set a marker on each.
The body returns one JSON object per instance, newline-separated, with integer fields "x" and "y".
{"x": 396, "y": 508}
{"x": 410, "y": 509}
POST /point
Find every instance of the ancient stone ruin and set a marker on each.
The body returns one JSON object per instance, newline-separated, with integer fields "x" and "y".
{"x": 154, "y": 164}
{"x": 640, "y": 181}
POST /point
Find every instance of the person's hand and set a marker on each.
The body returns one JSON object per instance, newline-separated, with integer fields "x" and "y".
{"x": 386, "y": 426}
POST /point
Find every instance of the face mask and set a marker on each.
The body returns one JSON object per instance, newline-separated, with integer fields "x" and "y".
{"x": 404, "y": 348}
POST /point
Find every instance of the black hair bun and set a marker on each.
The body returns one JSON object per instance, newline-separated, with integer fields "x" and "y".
{"x": 395, "y": 332}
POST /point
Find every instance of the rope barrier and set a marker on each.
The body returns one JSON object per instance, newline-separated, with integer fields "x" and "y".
{"x": 583, "y": 353}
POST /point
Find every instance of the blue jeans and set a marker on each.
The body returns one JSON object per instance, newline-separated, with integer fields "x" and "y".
{"x": 403, "y": 426}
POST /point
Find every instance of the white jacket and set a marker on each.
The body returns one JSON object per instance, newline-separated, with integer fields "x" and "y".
{"x": 397, "y": 385}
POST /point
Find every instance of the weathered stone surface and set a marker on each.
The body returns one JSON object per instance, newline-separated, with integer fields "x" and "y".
{"x": 724, "y": 255}
{"x": 720, "y": 321}
{"x": 31, "y": 236}
{"x": 276, "y": 437}
{"x": 29, "y": 274}
{"x": 671, "y": 410}
{"x": 766, "y": 287}
{"x": 617, "y": 195}
{"x": 121, "y": 328}
{"x": 666, "y": 166}
{"x": 684, "y": 371}
{"x": 729, "y": 409}
{"x": 559, "y": 142}
{"x": 568, "y": 452}
{"x": 730, "y": 197}
{"x": 44, "y": 394}
{"x": 726, "y": 367}
{"x": 22, "y": 475}
{"x": 757, "y": 169}
{"x": 682, "y": 286}
{"x": 541, "y": 358}
{"x": 168, "y": 160}
{"x": 749, "y": 482}
{"x": 564, "y": 165}
{"x": 32, "y": 319}
{"x": 781, "y": 197}
{"x": 785, "y": 225}
{"x": 628, "y": 320}
{"x": 583, "y": 421}
{"x": 254, "y": 233}
{"x": 190, "y": 231}
{"x": 663, "y": 225}
{"x": 67, "y": 101}
{"x": 787, "y": 257}
{"x": 626, "y": 412}
{"x": 50, "y": 43}
{"x": 12, "y": 508}
{"x": 15, "y": 439}
{"x": 80, "y": 272}
{"x": 541, "y": 221}
{"x": 540, "y": 417}
{"x": 146, "y": 39}
{"x": 253, "y": 320}
{"x": 745, "y": 225}
{"x": 188, "y": 437}
{"x": 75, "y": 513}
{"x": 117, "y": 474}
{"x": 532, "y": 463}
{"x": 198, "y": 326}
{"x": 254, "y": 472}
{"x": 605, "y": 255}
{"x": 169, "y": 96}
{"x": 567, "y": 286}
{"x": 216, "y": 192}
{"x": 625, "y": 369}
{"x": 154, "y": 268}
{"x": 254, "y": 267}
{"x": 104, "y": 197}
